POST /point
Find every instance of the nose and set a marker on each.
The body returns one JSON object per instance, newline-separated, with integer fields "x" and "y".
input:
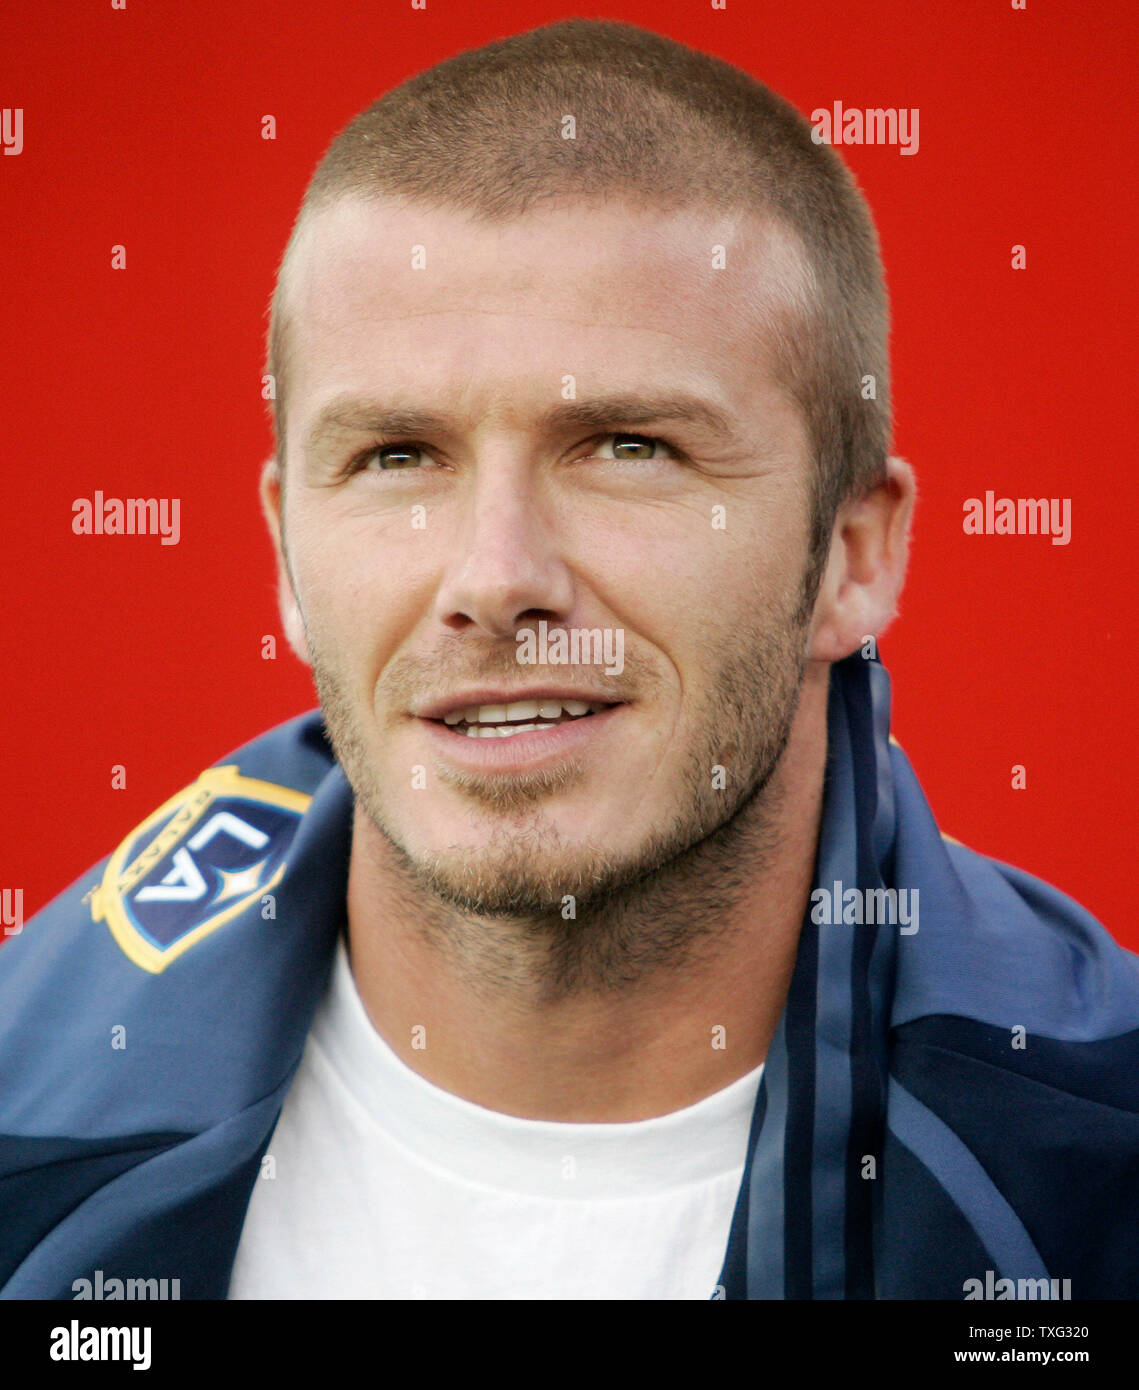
{"x": 507, "y": 568}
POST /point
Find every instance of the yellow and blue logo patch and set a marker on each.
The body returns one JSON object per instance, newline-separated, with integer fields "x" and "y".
{"x": 198, "y": 861}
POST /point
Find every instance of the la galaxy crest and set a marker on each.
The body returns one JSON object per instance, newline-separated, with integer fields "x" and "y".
{"x": 198, "y": 861}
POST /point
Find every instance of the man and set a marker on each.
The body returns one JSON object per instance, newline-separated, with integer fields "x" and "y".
{"x": 598, "y": 940}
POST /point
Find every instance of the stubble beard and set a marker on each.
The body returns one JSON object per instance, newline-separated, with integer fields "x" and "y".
{"x": 564, "y": 918}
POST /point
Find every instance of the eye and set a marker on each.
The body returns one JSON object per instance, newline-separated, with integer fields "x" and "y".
{"x": 391, "y": 457}
{"x": 635, "y": 448}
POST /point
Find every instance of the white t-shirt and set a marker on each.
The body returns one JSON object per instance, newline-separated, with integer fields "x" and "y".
{"x": 385, "y": 1186}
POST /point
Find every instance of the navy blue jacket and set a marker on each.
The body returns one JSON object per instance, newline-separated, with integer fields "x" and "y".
{"x": 942, "y": 1108}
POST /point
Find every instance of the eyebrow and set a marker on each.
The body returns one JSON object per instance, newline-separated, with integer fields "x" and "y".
{"x": 350, "y": 414}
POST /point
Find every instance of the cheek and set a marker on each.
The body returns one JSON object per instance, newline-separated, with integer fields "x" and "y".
{"x": 768, "y": 557}
{"x": 714, "y": 582}
{"x": 332, "y": 594}
{"x": 363, "y": 593}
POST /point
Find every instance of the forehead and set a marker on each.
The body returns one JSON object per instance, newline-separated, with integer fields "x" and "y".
{"x": 381, "y": 289}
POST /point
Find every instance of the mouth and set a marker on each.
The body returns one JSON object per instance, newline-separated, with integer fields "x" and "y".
{"x": 519, "y": 735}
{"x": 519, "y": 716}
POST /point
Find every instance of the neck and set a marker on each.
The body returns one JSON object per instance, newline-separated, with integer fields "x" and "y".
{"x": 663, "y": 997}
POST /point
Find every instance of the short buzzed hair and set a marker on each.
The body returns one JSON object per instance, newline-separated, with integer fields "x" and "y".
{"x": 659, "y": 124}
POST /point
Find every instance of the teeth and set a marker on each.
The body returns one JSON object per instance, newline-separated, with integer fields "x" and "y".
{"x": 504, "y": 730}
{"x": 520, "y": 710}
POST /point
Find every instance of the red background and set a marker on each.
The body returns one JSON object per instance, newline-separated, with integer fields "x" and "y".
{"x": 143, "y": 127}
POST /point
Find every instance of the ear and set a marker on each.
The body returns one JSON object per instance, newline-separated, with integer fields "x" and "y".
{"x": 866, "y": 568}
{"x": 271, "y": 494}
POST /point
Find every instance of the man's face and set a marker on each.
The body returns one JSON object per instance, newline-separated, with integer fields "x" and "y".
{"x": 570, "y": 419}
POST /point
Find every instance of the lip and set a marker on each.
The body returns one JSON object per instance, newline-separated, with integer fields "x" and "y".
{"x": 488, "y": 695}
{"x": 520, "y": 752}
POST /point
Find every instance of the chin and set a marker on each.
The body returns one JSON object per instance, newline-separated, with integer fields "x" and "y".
{"x": 526, "y": 870}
